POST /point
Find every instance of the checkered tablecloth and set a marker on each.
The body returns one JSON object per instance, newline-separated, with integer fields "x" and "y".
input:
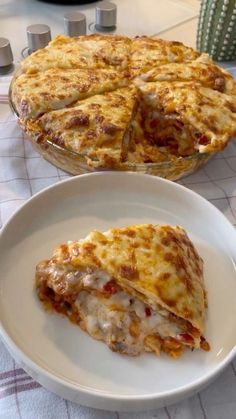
{"x": 23, "y": 173}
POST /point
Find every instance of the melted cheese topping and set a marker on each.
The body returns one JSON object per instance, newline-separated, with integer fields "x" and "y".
{"x": 147, "y": 53}
{"x": 202, "y": 71}
{"x": 95, "y": 127}
{"x": 35, "y": 94}
{"x": 206, "y": 112}
{"x": 157, "y": 263}
{"x": 93, "y": 51}
{"x": 136, "y": 288}
{"x": 174, "y": 82}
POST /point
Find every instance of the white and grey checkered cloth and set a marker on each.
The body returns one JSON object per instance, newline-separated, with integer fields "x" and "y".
{"x": 23, "y": 173}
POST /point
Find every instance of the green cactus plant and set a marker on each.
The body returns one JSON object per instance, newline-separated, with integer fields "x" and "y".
{"x": 216, "y": 32}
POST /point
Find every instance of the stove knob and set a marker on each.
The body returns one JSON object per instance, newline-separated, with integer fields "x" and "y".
{"x": 6, "y": 57}
{"x": 106, "y": 15}
{"x": 38, "y": 36}
{"x": 75, "y": 23}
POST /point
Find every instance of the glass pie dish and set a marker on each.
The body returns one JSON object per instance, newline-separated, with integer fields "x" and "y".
{"x": 76, "y": 163}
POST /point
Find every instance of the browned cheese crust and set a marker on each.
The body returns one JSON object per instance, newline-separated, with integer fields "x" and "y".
{"x": 147, "y": 278}
{"x": 182, "y": 103}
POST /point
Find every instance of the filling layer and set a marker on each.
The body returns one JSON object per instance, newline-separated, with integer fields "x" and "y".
{"x": 170, "y": 134}
{"x": 107, "y": 312}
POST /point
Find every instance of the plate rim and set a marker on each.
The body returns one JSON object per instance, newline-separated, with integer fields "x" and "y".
{"x": 35, "y": 369}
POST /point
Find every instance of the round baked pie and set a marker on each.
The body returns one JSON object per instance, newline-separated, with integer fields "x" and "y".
{"x": 112, "y": 102}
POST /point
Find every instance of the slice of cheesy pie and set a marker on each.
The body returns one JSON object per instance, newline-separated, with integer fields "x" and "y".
{"x": 36, "y": 94}
{"x": 183, "y": 117}
{"x": 202, "y": 70}
{"x": 96, "y": 127}
{"x": 138, "y": 288}
{"x": 148, "y": 52}
{"x": 92, "y": 51}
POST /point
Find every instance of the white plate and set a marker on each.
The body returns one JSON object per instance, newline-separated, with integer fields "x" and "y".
{"x": 62, "y": 357}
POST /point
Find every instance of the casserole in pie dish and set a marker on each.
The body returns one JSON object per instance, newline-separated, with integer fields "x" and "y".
{"x": 111, "y": 102}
